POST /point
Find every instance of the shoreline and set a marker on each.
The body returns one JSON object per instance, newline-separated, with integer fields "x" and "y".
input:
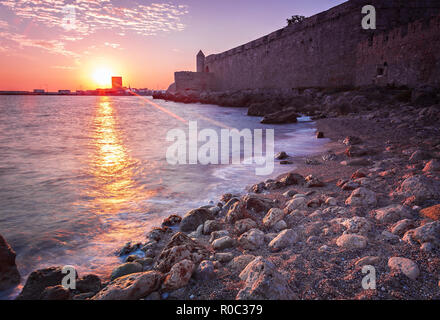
{"x": 370, "y": 199}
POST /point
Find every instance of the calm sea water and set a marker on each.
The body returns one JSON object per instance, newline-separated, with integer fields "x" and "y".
{"x": 81, "y": 176}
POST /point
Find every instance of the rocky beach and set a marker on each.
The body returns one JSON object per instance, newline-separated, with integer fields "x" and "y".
{"x": 372, "y": 198}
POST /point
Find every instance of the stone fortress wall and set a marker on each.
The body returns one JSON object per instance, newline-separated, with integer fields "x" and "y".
{"x": 407, "y": 55}
{"x": 329, "y": 49}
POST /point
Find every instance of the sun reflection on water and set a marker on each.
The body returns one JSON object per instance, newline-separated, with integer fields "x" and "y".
{"x": 114, "y": 191}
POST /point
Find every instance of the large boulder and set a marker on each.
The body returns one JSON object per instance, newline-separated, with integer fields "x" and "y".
{"x": 421, "y": 187}
{"x": 39, "y": 280}
{"x": 9, "y": 275}
{"x": 180, "y": 247}
{"x": 192, "y": 219}
{"x": 280, "y": 117}
{"x": 236, "y": 212}
{"x": 264, "y": 282}
{"x": 362, "y": 197}
{"x": 124, "y": 269}
{"x": 352, "y": 241}
{"x": 131, "y": 287}
{"x": 179, "y": 275}
{"x": 429, "y": 232}
{"x": 257, "y": 203}
{"x": 284, "y": 239}
{"x": 392, "y": 213}
{"x": 272, "y": 217}
{"x": 252, "y": 239}
{"x": 405, "y": 266}
{"x": 359, "y": 225}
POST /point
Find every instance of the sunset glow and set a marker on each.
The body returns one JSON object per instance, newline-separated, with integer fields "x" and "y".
{"x": 102, "y": 77}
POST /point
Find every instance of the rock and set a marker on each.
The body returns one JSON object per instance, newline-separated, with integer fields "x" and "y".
{"x": 252, "y": 239}
{"x": 126, "y": 268}
{"x": 291, "y": 179}
{"x": 205, "y": 271}
{"x": 362, "y": 197}
{"x": 223, "y": 256}
{"x": 285, "y": 116}
{"x": 351, "y": 140}
{"x": 244, "y": 225}
{"x": 211, "y": 226}
{"x": 55, "y": 293}
{"x": 319, "y": 135}
{"x": 285, "y": 162}
{"x": 171, "y": 220}
{"x": 296, "y": 203}
{"x": 284, "y": 239}
{"x": 419, "y": 155}
{"x": 89, "y": 283}
{"x": 357, "y": 225}
{"x": 421, "y": 187}
{"x": 194, "y": 218}
{"x": 429, "y": 232}
{"x": 431, "y": 166}
{"x": 349, "y": 185}
{"x": 368, "y": 261}
{"x": 356, "y": 162}
{"x": 229, "y": 204}
{"x": 358, "y": 174}
{"x": 432, "y": 213}
{"x": 272, "y": 217}
{"x": 388, "y": 236}
{"x": 280, "y": 225}
{"x": 257, "y": 203}
{"x": 239, "y": 263}
{"x": 289, "y": 193}
{"x": 9, "y": 275}
{"x": 352, "y": 241}
{"x": 38, "y": 281}
{"x": 392, "y": 213}
{"x": 156, "y": 234}
{"x": 330, "y": 156}
{"x": 223, "y": 243}
{"x": 402, "y": 226}
{"x": 405, "y": 266}
{"x": 427, "y": 246}
{"x": 330, "y": 201}
{"x": 128, "y": 247}
{"x": 264, "y": 282}
{"x": 281, "y": 155}
{"x": 237, "y": 212}
{"x": 179, "y": 248}
{"x": 313, "y": 182}
{"x": 131, "y": 287}
{"x": 218, "y": 234}
{"x": 179, "y": 275}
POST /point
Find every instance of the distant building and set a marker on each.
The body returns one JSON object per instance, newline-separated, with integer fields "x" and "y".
{"x": 38, "y": 90}
{"x": 116, "y": 83}
{"x": 64, "y": 91}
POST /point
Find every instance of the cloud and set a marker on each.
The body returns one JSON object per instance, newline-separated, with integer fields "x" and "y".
{"x": 87, "y": 17}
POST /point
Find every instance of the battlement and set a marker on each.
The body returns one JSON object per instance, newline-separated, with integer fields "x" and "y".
{"x": 330, "y": 49}
{"x": 408, "y": 55}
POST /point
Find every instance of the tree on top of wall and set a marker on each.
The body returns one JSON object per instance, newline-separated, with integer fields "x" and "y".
{"x": 295, "y": 19}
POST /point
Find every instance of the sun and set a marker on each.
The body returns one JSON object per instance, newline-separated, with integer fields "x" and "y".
{"x": 102, "y": 77}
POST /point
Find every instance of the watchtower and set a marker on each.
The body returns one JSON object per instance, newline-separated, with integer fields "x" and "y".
{"x": 200, "y": 62}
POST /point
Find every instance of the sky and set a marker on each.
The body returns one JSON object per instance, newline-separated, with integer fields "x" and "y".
{"x": 80, "y": 44}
